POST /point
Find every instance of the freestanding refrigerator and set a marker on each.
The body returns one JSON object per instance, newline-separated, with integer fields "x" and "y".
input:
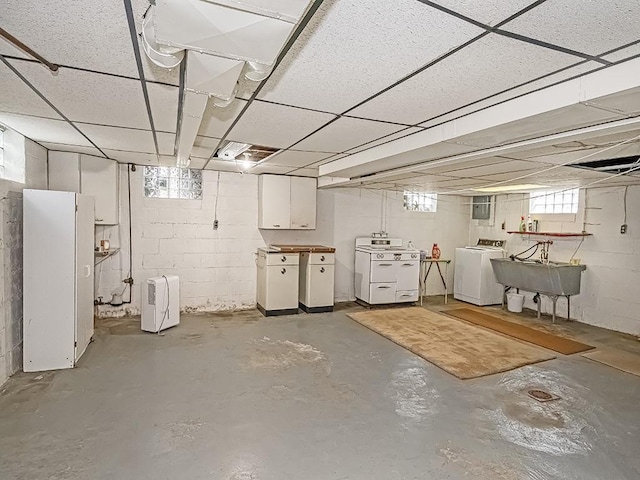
{"x": 58, "y": 265}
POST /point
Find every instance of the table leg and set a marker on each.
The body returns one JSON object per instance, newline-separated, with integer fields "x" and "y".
{"x": 444, "y": 283}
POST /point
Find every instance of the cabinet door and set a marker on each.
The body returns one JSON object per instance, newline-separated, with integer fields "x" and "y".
{"x": 99, "y": 178}
{"x": 274, "y": 209}
{"x": 408, "y": 274}
{"x": 303, "y": 203}
{"x": 64, "y": 171}
{"x": 84, "y": 273}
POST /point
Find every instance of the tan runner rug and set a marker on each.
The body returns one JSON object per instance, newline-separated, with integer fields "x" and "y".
{"x": 559, "y": 344}
{"x": 627, "y": 362}
{"x": 461, "y": 349}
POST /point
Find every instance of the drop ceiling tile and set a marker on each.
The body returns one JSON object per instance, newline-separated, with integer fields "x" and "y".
{"x": 303, "y": 172}
{"x": 394, "y": 136}
{"x": 447, "y": 168}
{"x": 166, "y": 143}
{"x": 124, "y": 139}
{"x": 488, "y": 12}
{"x": 571, "y": 72}
{"x": 296, "y": 158}
{"x": 624, "y": 53}
{"x": 197, "y": 163}
{"x": 44, "y": 129}
{"x": 216, "y": 120}
{"x": 627, "y": 102}
{"x": 590, "y": 27}
{"x": 555, "y": 121}
{"x": 91, "y": 34}
{"x": 90, "y": 97}
{"x": 138, "y": 158}
{"x": 342, "y": 65}
{"x": 484, "y": 68}
{"x": 265, "y": 168}
{"x": 60, "y": 147}
{"x": 346, "y": 133}
{"x": 204, "y": 147}
{"x": 508, "y": 166}
{"x": 17, "y": 97}
{"x": 328, "y": 159}
{"x": 164, "y": 106}
{"x": 226, "y": 166}
{"x": 276, "y": 125}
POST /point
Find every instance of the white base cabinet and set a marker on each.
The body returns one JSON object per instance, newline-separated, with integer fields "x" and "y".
{"x": 58, "y": 278}
{"x": 286, "y": 203}
{"x": 277, "y": 282}
{"x": 317, "y": 271}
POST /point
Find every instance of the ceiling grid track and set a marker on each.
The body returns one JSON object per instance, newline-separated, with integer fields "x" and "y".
{"x": 136, "y": 51}
{"x": 46, "y": 100}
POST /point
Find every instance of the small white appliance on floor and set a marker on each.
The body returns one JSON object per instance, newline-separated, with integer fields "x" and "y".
{"x": 473, "y": 279}
{"x": 385, "y": 272}
{"x": 160, "y": 303}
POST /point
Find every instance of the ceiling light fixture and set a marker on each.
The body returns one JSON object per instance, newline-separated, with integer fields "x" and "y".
{"x": 232, "y": 149}
{"x": 509, "y": 188}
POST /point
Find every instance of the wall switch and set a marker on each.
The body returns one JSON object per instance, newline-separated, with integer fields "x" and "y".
{"x": 504, "y": 226}
{"x": 215, "y": 224}
{"x": 623, "y": 228}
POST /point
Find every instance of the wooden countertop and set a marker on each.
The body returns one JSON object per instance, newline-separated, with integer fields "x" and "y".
{"x": 302, "y": 248}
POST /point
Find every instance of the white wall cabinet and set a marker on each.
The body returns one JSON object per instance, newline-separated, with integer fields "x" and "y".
{"x": 58, "y": 278}
{"x": 286, "y": 203}
{"x": 95, "y": 176}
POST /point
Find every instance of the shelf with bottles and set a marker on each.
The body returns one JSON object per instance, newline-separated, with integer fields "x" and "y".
{"x": 554, "y": 234}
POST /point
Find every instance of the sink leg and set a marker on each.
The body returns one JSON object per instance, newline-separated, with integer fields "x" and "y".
{"x": 539, "y": 306}
{"x": 568, "y": 308}
{"x": 555, "y": 300}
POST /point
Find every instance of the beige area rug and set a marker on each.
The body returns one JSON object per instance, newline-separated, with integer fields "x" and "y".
{"x": 463, "y": 350}
{"x": 559, "y": 344}
{"x": 627, "y": 362}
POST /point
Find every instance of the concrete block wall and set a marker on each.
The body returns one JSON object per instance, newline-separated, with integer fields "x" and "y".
{"x": 11, "y": 256}
{"x": 608, "y": 296}
{"x": 217, "y": 267}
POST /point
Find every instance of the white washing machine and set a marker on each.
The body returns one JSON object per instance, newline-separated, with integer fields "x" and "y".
{"x": 473, "y": 279}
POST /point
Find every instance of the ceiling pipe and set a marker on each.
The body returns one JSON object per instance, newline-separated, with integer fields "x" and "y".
{"x": 28, "y": 50}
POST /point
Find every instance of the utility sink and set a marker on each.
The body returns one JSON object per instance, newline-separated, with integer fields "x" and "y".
{"x": 554, "y": 279}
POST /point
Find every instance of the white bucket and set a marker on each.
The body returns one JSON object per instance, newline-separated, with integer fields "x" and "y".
{"x": 515, "y": 302}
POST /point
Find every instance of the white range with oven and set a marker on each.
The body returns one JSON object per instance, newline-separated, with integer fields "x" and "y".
{"x": 473, "y": 279}
{"x": 385, "y": 272}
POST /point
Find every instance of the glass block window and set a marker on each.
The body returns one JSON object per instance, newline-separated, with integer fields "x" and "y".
{"x": 172, "y": 182}
{"x": 420, "y": 202}
{"x": 554, "y": 202}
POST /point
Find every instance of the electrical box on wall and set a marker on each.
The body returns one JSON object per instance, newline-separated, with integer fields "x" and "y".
{"x": 481, "y": 209}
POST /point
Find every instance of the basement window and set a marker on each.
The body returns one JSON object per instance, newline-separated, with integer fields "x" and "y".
{"x": 565, "y": 201}
{"x": 172, "y": 182}
{"x": 420, "y": 202}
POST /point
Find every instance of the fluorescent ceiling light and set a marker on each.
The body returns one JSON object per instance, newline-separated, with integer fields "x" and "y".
{"x": 510, "y": 188}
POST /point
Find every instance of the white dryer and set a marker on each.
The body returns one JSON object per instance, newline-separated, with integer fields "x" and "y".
{"x": 473, "y": 279}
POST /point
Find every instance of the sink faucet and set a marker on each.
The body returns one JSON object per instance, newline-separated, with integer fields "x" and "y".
{"x": 544, "y": 252}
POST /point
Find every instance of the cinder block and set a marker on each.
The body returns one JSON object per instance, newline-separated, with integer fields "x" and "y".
{"x": 158, "y": 230}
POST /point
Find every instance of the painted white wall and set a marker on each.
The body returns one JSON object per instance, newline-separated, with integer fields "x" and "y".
{"x": 11, "y": 247}
{"x": 217, "y": 267}
{"x": 609, "y": 296}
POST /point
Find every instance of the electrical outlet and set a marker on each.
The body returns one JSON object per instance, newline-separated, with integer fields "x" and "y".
{"x": 504, "y": 226}
{"x": 215, "y": 224}
{"x": 623, "y": 228}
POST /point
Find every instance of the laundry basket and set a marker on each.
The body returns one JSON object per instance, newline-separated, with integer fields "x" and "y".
{"x": 515, "y": 302}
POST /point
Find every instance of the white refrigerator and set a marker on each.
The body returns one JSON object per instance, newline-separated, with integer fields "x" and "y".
{"x": 58, "y": 266}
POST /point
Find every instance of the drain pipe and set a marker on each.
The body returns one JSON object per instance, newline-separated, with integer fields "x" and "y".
{"x": 28, "y": 50}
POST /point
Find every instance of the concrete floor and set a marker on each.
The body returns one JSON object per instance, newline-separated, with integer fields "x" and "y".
{"x": 243, "y": 397}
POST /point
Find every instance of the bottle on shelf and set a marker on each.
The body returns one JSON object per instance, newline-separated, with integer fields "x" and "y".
{"x": 529, "y": 224}
{"x": 435, "y": 251}
{"x": 523, "y": 226}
